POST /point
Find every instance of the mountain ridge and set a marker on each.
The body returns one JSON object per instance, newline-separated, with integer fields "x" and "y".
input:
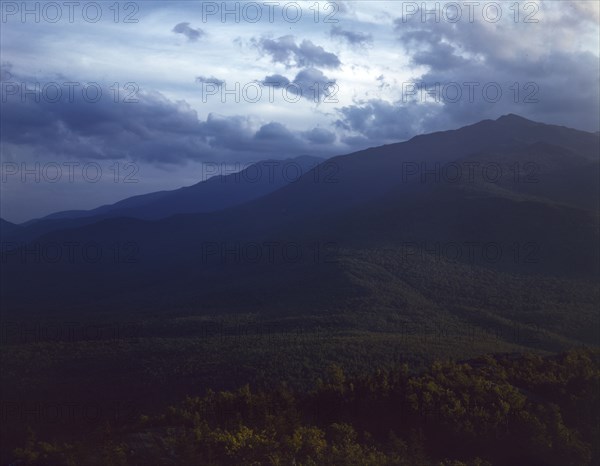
{"x": 365, "y": 204}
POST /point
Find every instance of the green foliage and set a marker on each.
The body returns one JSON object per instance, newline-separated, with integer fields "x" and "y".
{"x": 39, "y": 453}
{"x": 495, "y": 410}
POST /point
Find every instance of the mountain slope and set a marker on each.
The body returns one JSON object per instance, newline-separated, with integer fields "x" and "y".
{"x": 7, "y": 228}
{"x": 216, "y": 193}
{"x": 204, "y": 262}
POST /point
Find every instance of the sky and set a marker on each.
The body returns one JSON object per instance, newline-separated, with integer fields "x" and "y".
{"x": 105, "y": 100}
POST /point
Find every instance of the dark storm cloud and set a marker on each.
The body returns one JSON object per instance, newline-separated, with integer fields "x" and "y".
{"x": 309, "y": 83}
{"x": 440, "y": 57}
{"x": 319, "y": 136}
{"x": 353, "y": 37}
{"x": 566, "y": 81}
{"x": 284, "y": 50}
{"x": 275, "y": 80}
{"x": 234, "y": 138}
{"x": 192, "y": 34}
{"x": 274, "y": 132}
{"x": 309, "y": 54}
{"x": 541, "y": 81}
{"x": 151, "y": 128}
{"x": 210, "y": 80}
{"x": 313, "y": 83}
{"x": 381, "y": 121}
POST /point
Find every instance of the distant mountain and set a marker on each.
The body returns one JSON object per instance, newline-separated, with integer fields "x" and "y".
{"x": 216, "y": 193}
{"x": 390, "y": 227}
{"x": 107, "y": 210}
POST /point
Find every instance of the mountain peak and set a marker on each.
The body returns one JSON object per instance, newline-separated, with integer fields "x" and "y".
{"x": 511, "y": 117}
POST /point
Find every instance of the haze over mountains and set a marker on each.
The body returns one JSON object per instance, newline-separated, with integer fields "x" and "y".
{"x": 215, "y": 193}
{"x": 558, "y": 150}
{"x": 454, "y": 212}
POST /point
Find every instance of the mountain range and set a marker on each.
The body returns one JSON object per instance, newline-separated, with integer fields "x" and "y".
{"x": 492, "y": 216}
{"x": 213, "y": 194}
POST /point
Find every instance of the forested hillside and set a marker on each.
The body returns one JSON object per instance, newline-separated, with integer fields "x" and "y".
{"x": 493, "y": 410}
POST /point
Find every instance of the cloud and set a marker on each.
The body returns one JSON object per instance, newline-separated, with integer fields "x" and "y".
{"x": 352, "y": 37}
{"x": 275, "y": 80}
{"x": 381, "y": 121}
{"x": 540, "y": 70}
{"x": 192, "y": 34}
{"x": 284, "y": 50}
{"x": 578, "y": 12}
{"x": 309, "y": 54}
{"x": 559, "y": 54}
{"x": 274, "y": 132}
{"x": 152, "y": 129}
{"x": 319, "y": 136}
{"x": 313, "y": 84}
{"x": 541, "y": 73}
{"x": 210, "y": 80}
{"x": 382, "y": 82}
{"x": 309, "y": 83}
{"x": 441, "y": 56}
